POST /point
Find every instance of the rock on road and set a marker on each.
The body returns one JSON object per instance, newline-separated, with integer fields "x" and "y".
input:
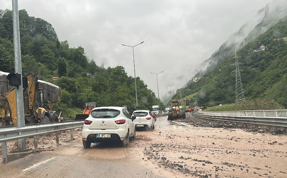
{"x": 173, "y": 149}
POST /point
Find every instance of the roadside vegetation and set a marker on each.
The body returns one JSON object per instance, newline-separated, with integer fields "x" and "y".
{"x": 249, "y": 105}
{"x": 80, "y": 78}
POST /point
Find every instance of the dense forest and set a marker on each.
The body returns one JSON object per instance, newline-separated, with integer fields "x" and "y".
{"x": 81, "y": 79}
{"x": 263, "y": 66}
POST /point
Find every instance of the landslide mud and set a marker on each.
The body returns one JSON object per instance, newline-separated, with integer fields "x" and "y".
{"x": 214, "y": 152}
{"x": 180, "y": 148}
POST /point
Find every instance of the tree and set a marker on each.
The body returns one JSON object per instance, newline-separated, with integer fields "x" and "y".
{"x": 62, "y": 67}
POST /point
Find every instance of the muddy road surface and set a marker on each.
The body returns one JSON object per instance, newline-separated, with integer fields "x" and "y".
{"x": 172, "y": 149}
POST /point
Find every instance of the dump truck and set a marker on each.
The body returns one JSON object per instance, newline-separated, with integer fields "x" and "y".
{"x": 40, "y": 98}
{"x": 176, "y": 110}
{"x": 87, "y": 110}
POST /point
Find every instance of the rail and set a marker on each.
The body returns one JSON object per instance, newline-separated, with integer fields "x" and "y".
{"x": 14, "y": 133}
{"x": 254, "y": 113}
{"x": 254, "y": 120}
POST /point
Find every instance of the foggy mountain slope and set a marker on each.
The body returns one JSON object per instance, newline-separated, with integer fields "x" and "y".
{"x": 263, "y": 72}
{"x": 265, "y": 19}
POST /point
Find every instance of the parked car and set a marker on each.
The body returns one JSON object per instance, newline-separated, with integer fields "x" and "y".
{"x": 144, "y": 119}
{"x": 108, "y": 124}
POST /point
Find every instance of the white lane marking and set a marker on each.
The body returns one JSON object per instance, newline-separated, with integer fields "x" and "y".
{"x": 38, "y": 164}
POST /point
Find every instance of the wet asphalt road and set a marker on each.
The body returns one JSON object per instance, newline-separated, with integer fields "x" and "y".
{"x": 101, "y": 160}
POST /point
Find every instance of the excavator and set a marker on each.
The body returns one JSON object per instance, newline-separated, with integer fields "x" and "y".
{"x": 40, "y": 98}
{"x": 87, "y": 110}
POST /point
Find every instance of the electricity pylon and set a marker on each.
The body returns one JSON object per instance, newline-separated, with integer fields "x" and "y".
{"x": 239, "y": 93}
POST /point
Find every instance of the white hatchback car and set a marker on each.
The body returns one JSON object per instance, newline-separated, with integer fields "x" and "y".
{"x": 108, "y": 124}
{"x": 143, "y": 119}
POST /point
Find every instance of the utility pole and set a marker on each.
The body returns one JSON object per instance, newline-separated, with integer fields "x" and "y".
{"x": 157, "y": 86}
{"x": 18, "y": 70}
{"x": 239, "y": 93}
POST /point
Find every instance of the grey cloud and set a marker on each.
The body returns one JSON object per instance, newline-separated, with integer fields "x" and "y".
{"x": 178, "y": 35}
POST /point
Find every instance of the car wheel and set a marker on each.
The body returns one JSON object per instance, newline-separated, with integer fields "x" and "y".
{"x": 55, "y": 118}
{"x": 45, "y": 120}
{"x": 135, "y": 134}
{"x": 86, "y": 144}
{"x": 126, "y": 141}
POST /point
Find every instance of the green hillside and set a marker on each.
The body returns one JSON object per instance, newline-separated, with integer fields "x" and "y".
{"x": 80, "y": 78}
{"x": 263, "y": 72}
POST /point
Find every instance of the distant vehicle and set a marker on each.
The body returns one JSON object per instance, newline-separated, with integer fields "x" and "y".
{"x": 176, "y": 110}
{"x": 167, "y": 110}
{"x": 203, "y": 107}
{"x": 189, "y": 109}
{"x": 108, "y": 124}
{"x": 155, "y": 109}
{"x": 144, "y": 119}
{"x": 87, "y": 110}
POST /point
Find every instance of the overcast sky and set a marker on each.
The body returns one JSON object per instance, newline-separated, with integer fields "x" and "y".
{"x": 178, "y": 35}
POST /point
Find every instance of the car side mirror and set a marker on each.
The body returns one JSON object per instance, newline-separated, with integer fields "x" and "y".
{"x": 133, "y": 118}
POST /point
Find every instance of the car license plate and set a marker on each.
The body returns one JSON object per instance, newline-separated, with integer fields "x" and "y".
{"x": 140, "y": 125}
{"x": 103, "y": 135}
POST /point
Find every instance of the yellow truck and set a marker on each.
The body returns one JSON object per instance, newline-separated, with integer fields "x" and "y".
{"x": 40, "y": 98}
{"x": 176, "y": 110}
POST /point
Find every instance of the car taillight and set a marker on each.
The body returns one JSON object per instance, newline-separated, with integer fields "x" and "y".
{"x": 120, "y": 121}
{"x": 87, "y": 122}
{"x": 148, "y": 118}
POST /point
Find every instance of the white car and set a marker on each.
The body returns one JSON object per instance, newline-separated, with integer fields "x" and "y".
{"x": 143, "y": 119}
{"x": 108, "y": 124}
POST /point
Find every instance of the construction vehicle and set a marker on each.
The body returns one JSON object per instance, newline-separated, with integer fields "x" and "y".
{"x": 176, "y": 110}
{"x": 40, "y": 98}
{"x": 203, "y": 107}
{"x": 87, "y": 110}
{"x": 189, "y": 109}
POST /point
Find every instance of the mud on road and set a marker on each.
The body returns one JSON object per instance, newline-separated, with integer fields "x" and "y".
{"x": 189, "y": 150}
{"x": 181, "y": 148}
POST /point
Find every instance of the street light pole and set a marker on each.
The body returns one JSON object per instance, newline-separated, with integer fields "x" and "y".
{"x": 157, "y": 86}
{"x": 137, "y": 105}
{"x": 18, "y": 70}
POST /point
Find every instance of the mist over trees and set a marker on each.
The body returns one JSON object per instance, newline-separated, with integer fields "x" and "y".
{"x": 80, "y": 78}
{"x": 263, "y": 72}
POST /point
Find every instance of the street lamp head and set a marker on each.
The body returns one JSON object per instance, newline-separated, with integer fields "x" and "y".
{"x": 123, "y": 44}
{"x": 142, "y": 42}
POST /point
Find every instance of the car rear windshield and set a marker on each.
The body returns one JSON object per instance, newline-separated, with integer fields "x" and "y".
{"x": 105, "y": 113}
{"x": 140, "y": 114}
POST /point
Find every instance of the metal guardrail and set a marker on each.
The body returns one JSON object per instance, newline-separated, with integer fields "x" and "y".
{"x": 15, "y": 133}
{"x": 263, "y": 121}
{"x": 254, "y": 113}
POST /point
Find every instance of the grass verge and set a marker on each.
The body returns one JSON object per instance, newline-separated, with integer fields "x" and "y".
{"x": 249, "y": 105}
